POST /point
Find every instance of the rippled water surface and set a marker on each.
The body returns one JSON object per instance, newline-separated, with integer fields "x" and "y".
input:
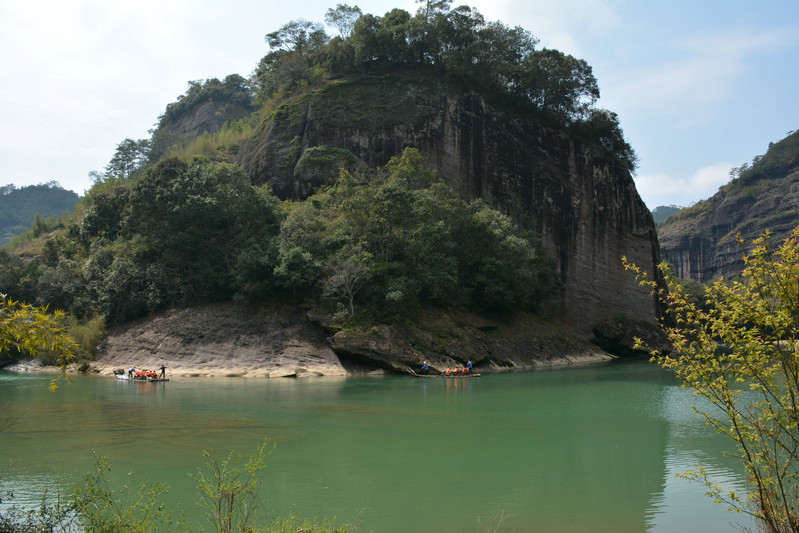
{"x": 580, "y": 449}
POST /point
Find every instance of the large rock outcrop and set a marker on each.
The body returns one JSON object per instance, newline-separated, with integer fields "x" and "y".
{"x": 583, "y": 203}
{"x": 701, "y": 243}
{"x": 223, "y": 340}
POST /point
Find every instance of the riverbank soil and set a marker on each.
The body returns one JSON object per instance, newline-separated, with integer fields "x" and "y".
{"x": 284, "y": 341}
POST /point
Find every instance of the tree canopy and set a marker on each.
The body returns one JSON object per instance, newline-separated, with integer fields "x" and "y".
{"x": 129, "y": 156}
{"x": 373, "y": 246}
{"x": 25, "y": 330}
{"x": 405, "y": 239}
{"x": 459, "y": 43}
{"x": 343, "y": 18}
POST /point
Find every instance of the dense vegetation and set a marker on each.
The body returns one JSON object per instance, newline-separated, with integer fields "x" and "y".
{"x": 779, "y": 161}
{"x": 500, "y": 62}
{"x": 232, "y": 100}
{"x": 19, "y": 207}
{"x": 172, "y": 221}
{"x": 189, "y": 232}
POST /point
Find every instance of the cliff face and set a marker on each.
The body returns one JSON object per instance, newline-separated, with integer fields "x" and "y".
{"x": 584, "y": 205}
{"x": 701, "y": 241}
{"x": 203, "y": 118}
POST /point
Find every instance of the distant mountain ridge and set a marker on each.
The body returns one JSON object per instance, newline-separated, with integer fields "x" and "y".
{"x": 700, "y": 241}
{"x": 19, "y": 206}
{"x": 662, "y": 212}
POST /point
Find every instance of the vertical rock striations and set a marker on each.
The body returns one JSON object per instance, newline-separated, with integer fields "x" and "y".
{"x": 701, "y": 241}
{"x": 583, "y": 203}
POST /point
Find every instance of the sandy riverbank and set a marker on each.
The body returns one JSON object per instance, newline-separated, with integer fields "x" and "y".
{"x": 225, "y": 340}
{"x": 187, "y": 372}
{"x": 221, "y": 341}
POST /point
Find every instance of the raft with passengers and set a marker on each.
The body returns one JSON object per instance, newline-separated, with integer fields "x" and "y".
{"x": 457, "y": 372}
{"x": 142, "y": 375}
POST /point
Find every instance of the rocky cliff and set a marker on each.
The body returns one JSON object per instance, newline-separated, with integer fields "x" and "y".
{"x": 701, "y": 242}
{"x": 583, "y": 203}
{"x": 205, "y": 108}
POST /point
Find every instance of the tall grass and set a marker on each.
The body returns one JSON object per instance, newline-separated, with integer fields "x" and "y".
{"x": 220, "y": 146}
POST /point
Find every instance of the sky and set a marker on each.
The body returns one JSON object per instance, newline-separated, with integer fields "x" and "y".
{"x": 699, "y": 86}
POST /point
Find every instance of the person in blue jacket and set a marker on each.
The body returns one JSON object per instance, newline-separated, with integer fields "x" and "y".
{"x": 425, "y": 368}
{"x": 469, "y": 367}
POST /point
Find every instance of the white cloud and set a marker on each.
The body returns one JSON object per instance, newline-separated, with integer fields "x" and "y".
{"x": 562, "y": 25}
{"x": 707, "y": 69}
{"x": 663, "y": 189}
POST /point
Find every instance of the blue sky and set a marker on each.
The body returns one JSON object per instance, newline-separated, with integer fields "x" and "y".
{"x": 699, "y": 86}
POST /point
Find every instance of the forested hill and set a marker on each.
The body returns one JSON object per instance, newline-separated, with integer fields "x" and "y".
{"x": 456, "y": 46}
{"x": 499, "y": 119}
{"x": 19, "y": 206}
{"x": 435, "y": 160}
{"x": 700, "y": 241}
{"x": 663, "y": 212}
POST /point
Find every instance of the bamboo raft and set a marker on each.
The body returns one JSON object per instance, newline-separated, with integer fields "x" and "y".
{"x": 414, "y": 374}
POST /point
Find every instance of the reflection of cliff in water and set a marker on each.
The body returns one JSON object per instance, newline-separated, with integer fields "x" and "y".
{"x": 599, "y": 445}
{"x": 569, "y": 450}
{"x": 580, "y": 449}
{"x": 692, "y": 444}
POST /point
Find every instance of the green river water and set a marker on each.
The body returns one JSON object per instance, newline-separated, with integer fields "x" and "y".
{"x": 588, "y": 449}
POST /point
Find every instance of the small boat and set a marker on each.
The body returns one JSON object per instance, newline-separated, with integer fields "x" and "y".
{"x": 140, "y": 377}
{"x": 414, "y": 374}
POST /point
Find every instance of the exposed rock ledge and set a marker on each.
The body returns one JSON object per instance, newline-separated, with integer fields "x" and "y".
{"x": 228, "y": 340}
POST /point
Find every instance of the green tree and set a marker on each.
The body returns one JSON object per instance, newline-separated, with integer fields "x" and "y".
{"x": 500, "y": 264}
{"x": 559, "y": 84}
{"x": 194, "y": 219}
{"x": 104, "y": 210}
{"x": 602, "y": 126}
{"x": 298, "y": 36}
{"x": 742, "y": 355}
{"x": 229, "y": 493}
{"x": 131, "y": 508}
{"x": 343, "y": 18}
{"x": 130, "y": 156}
{"x": 25, "y": 330}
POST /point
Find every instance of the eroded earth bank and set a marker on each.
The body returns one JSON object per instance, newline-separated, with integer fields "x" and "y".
{"x": 229, "y": 340}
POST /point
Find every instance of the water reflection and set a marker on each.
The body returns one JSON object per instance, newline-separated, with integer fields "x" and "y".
{"x": 592, "y": 449}
{"x": 692, "y": 444}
